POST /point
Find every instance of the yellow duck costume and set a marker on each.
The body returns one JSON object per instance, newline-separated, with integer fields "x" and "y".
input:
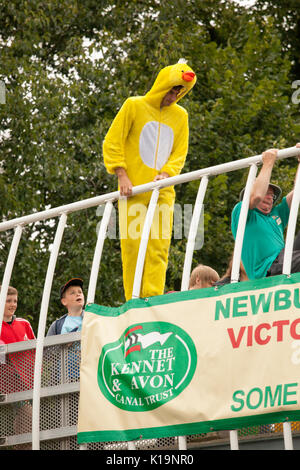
{"x": 146, "y": 140}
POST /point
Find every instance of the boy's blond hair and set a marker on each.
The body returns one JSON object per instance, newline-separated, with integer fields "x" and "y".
{"x": 11, "y": 290}
{"x": 206, "y": 274}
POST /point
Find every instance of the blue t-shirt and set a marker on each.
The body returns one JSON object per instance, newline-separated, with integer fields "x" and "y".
{"x": 263, "y": 238}
{"x": 71, "y": 324}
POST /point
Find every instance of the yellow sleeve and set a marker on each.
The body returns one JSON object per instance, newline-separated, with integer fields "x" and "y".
{"x": 177, "y": 158}
{"x": 114, "y": 142}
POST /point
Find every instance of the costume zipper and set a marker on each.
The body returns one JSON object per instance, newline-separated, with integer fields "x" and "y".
{"x": 157, "y": 145}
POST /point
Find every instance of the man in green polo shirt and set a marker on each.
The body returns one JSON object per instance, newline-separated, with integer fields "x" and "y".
{"x": 263, "y": 245}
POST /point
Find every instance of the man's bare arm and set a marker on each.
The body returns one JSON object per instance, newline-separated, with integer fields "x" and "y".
{"x": 262, "y": 182}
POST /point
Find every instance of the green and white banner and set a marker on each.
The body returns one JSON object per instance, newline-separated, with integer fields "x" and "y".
{"x": 191, "y": 362}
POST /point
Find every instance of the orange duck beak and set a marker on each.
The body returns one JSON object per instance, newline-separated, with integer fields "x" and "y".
{"x": 188, "y": 76}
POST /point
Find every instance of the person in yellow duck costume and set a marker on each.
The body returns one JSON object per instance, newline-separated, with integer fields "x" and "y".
{"x": 148, "y": 141}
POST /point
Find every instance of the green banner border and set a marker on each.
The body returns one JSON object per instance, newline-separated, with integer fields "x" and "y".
{"x": 189, "y": 428}
{"x": 180, "y": 296}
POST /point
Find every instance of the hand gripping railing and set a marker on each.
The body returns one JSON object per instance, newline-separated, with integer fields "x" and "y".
{"x": 108, "y": 200}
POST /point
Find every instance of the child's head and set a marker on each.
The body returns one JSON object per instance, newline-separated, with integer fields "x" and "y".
{"x": 203, "y": 276}
{"x": 10, "y": 304}
{"x": 71, "y": 295}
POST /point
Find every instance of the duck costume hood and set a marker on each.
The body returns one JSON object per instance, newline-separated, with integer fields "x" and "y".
{"x": 146, "y": 139}
{"x": 168, "y": 77}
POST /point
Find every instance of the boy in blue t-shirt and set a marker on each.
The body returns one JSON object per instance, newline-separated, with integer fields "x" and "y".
{"x": 71, "y": 296}
{"x": 263, "y": 245}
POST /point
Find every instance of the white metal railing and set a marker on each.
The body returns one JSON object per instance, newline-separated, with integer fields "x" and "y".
{"x": 107, "y": 199}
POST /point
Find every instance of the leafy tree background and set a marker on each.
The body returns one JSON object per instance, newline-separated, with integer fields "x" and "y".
{"x": 69, "y": 65}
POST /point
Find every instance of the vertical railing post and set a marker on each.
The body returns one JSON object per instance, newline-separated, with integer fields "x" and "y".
{"x": 286, "y": 269}
{"x": 8, "y": 270}
{"x": 235, "y": 271}
{"x": 143, "y": 244}
{"x": 290, "y": 234}
{"x": 188, "y": 259}
{"x": 141, "y": 258}
{"x": 239, "y": 239}
{"x": 41, "y": 333}
{"x": 96, "y": 263}
{"x": 98, "y": 252}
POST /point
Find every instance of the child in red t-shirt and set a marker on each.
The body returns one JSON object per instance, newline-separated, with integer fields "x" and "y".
{"x": 14, "y": 329}
{"x": 17, "y": 371}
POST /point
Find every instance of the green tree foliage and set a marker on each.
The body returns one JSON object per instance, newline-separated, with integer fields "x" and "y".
{"x": 286, "y": 17}
{"x": 69, "y": 65}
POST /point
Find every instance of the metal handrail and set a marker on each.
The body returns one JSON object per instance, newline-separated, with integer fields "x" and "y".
{"x": 143, "y": 188}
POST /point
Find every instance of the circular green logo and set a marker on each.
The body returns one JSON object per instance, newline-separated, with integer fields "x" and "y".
{"x": 149, "y": 365}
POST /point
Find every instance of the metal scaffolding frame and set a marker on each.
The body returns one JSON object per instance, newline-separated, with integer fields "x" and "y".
{"x": 62, "y": 213}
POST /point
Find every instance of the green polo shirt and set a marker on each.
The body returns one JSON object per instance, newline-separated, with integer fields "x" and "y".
{"x": 263, "y": 238}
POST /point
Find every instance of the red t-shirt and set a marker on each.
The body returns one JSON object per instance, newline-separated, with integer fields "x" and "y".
{"x": 17, "y": 373}
{"x": 19, "y": 330}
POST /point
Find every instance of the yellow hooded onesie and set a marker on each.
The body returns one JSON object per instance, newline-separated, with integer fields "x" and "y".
{"x": 147, "y": 140}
